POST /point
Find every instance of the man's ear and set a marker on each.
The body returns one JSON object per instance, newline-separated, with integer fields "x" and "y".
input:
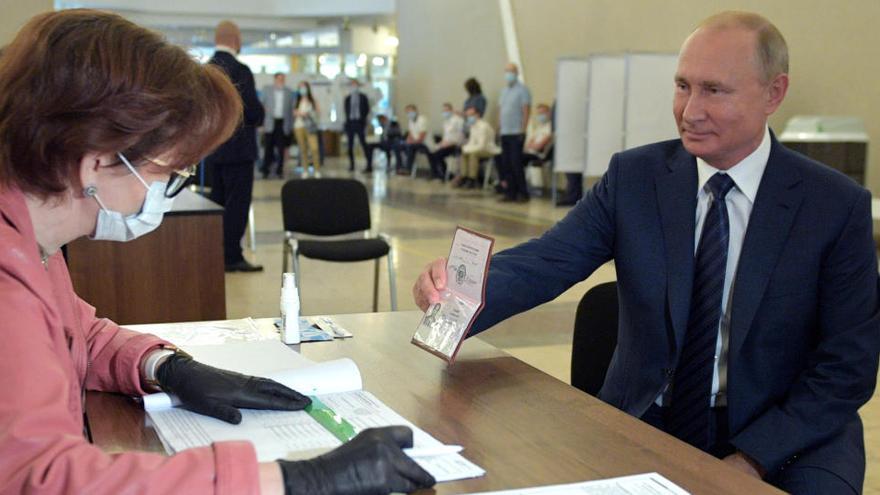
{"x": 776, "y": 92}
{"x": 89, "y": 166}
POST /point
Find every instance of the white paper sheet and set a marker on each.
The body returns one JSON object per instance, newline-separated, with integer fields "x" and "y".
{"x": 271, "y": 359}
{"x": 295, "y": 435}
{"x": 291, "y": 434}
{"x": 209, "y": 332}
{"x": 639, "y": 484}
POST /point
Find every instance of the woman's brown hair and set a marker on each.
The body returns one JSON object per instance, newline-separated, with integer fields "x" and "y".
{"x": 82, "y": 81}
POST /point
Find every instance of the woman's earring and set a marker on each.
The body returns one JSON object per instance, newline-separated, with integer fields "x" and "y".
{"x": 90, "y": 191}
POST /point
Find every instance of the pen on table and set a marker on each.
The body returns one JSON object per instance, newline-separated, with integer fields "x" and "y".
{"x": 433, "y": 451}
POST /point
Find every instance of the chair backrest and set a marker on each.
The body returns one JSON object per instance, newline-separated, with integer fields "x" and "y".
{"x": 595, "y": 337}
{"x": 325, "y": 206}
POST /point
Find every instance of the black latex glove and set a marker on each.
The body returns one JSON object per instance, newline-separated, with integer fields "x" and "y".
{"x": 218, "y": 393}
{"x": 370, "y": 463}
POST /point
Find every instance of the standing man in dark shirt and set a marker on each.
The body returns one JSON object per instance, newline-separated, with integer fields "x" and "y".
{"x": 233, "y": 161}
{"x": 357, "y": 110}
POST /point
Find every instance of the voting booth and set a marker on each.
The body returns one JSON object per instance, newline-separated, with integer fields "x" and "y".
{"x": 837, "y": 141}
{"x": 607, "y": 103}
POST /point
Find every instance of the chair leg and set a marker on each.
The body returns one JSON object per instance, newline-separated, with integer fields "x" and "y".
{"x": 487, "y": 174}
{"x": 252, "y": 229}
{"x": 376, "y": 285}
{"x": 392, "y": 280}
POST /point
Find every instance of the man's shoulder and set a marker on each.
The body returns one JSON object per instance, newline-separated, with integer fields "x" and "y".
{"x": 816, "y": 175}
{"x": 655, "y": 152}
{"x": 231, "y": 64}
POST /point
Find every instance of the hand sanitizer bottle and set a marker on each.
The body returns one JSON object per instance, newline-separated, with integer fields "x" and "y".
{"x": 289, "y": 310}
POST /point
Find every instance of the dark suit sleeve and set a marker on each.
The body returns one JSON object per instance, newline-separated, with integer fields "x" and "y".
{"x": 841, "y": 372}
{"x": 253, "y": 109}
{"x": 365, "y": 107}
{"x": 537, "y": 271}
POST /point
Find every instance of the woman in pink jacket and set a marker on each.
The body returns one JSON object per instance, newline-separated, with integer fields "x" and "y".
{"x": 99, "y": 119}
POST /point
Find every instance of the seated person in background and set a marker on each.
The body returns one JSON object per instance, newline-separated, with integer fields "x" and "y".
{"x": 479, "y": 146}
{"x": 110, "y": 173}
{"x": 538, "y": 136}
{"x": 453, "y": 137}
{"x": 389, "y": 141}
{"x": 416, "y": 136}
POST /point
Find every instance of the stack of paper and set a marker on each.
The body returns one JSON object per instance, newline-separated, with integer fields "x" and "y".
{"x": 640, "y": 484}
{"x": 210, "y": 332}
{"x": 292, "y": 435}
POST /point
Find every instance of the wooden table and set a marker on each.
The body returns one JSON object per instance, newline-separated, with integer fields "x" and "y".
{"x": 173, "y": 274}
{"x": 524, "y": 427}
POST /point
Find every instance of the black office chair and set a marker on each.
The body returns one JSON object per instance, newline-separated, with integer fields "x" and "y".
{"x": 333, "y": 207}
{"x": 595, "y": 337}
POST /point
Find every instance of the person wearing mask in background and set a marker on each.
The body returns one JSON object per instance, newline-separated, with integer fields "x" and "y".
{"x": 453, "y": 137}
{"x": 475, "y": 97}
{"x": 479, "y": 146}
{"x": 277, "y": 104}
{"x": 747, "y": 276}
{"x": 574, "y": 181}
{"x": 93, "y": 145}
{"x": 357, "y": 112}
{"x": 305, "y": 128}
{"x": 416, "y": 136}
{"x": 233, "y": 161}
{"x": 513, "y": 119}
{"x": 389, "y": 141}
{"x": 539, "y": 138}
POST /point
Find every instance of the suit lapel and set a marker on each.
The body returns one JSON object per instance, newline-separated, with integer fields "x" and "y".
{"x": 776, "y": 204}
{"x": 676, "y": 190}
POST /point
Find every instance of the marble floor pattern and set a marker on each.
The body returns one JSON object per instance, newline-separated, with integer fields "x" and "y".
{"x": 421, "y": 216}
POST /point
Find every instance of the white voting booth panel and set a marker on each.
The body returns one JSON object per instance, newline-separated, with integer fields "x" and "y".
{"x": 629, "y": 103}
{"x": 572, "y": 79}
{"x": 605, "y": 121}
{"x": 649, "y": 93}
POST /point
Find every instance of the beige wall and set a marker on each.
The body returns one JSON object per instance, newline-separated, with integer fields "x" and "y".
{"x": 16, "y": 12}
{"x": 835, "y": 47}
{"x": 442, "y": 43}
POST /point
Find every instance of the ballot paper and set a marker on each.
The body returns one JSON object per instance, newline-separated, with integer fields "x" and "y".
{"x": 639, "y": 484}
{"x": 292, "y": 434}
{"x": 446, "y": 323}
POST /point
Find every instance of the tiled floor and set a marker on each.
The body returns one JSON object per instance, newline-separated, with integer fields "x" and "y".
{"x": 421, "y": 217}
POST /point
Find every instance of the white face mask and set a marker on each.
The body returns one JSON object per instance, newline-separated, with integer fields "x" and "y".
{"x": 114, "y": 226}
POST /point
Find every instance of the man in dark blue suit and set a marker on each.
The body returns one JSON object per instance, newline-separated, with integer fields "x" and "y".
{"x": 747, "y": 276}
{"x": 357, "y": 112}
{"x": 232, "y": 164}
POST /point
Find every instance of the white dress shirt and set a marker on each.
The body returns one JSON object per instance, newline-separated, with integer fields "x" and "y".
{"x": 481, "y": 139}
{"x": 453, "y": 130}
{"x": 278, "y": 103}
{"x": 417, "y": 127}
{"x": 746, "y": 176}
{"x": 304, "y": 107}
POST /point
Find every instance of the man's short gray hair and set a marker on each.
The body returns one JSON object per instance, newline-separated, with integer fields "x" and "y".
{"x": 772, "y": 51}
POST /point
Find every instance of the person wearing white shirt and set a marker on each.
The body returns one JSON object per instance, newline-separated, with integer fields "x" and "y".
{"x": 276, "y": 100}
{"x": 305, "y": 128}
{"x": 453, "y": 138}
{"x": 416, "y": 136}
{"x": 479, "y": 146}
{"x": 538, "y": 136}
